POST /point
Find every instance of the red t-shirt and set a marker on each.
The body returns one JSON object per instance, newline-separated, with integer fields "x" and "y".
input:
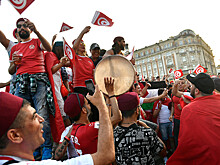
{"x": 86, "y": 138}
{"x": 33, "y": 57}
{"x": 199, "y": 138}
{"x": 177, "y": 111}
{"x": 83, "y": 70}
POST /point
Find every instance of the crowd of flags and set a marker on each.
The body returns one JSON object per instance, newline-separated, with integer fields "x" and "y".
{"x": 99, "y": 19}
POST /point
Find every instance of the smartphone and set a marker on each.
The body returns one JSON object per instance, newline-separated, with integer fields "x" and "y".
{"x": 90, "y": 86}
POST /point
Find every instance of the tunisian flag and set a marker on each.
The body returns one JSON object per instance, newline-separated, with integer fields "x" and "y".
{"x": 199, "y": 69}
{"x": 101, "y": 19}
{"x": 21, "y": 5}
{"x": 178, "y": 73}
{"x": 65, "y": 27}
{"x": 69, "y": 52}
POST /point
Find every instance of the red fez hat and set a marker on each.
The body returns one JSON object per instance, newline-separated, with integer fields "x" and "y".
{"x": 128, "y": 101}
{"x": 73, "y": 105}
{"x": 10, "y": 105}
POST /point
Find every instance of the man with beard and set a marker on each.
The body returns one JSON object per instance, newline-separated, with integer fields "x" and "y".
{"x": 199, "y": 139}
{"x": 135, "y": 142}
{"x": 82, "y": 135}
{"x": 32, "y": 82}
{"x": 117, "y": 47}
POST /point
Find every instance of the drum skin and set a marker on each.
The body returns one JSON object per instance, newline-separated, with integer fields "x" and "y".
{"x": 120, "y": 69}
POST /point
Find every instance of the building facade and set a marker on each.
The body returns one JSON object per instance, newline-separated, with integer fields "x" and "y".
{"x": 184, "y": 51}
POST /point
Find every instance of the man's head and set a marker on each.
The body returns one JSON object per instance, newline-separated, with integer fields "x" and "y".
{"x": 202, "y": 85}
{"x": 120, "y": 42}
{"x": 82, "y": 46}
{"x": 22, "y": 28}
{"x": 75, "y": 105}
{"x": 58, "y": 49}
{"x": 160, "y": 91}
{"x": 128, "y": 104}
{"x": 182, "y": 84}
{"x": 20, "y": 124}
{"x": 217, "y": 84}
{"x": 95, "y": 50}
{"x": 136, "y": 88}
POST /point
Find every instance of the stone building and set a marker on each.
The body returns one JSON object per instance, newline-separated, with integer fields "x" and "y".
{"x": 184, "y": 51}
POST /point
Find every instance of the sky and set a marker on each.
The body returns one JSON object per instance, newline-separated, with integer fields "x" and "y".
{"x": 141, "y": 22}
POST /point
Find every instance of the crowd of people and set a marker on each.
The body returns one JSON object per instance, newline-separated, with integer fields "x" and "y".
{"x": 49, "y": 115}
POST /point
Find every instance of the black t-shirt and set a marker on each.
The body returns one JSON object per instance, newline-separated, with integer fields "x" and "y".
{"x": 136, "y": 145}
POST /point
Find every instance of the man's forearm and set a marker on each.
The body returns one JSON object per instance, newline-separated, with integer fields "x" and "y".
{"x": 116, "y": 114}
{"x": 44, "y": 42}
{"x": 105, "y": 152}
{"x": 61, "y": 150}
{"x": 12, "y": 68}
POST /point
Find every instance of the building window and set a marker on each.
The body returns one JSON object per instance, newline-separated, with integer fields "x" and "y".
{"x": 168, "y": 54}
{"x": 142, "y": 54}
{"x": 184, "y": 58}
{"x": 165, "y": 46}
{"x": 169, "y": 62}
{"x": 155, "y": 66}
{"x": 136, "y": 55}
{"x": 148, "y": 60}
{"x": 152, "y": 50}
{"x": 168, "y": 45}
{"x": 180, "y": 42}
{"x": 159, "y": 56}
{"x": 149, "y": 67}
{"x": 190, "y": 49}
{"x": 153, "y": 58}
{"x": 182, "y": 50}
{"x": 143, "y": 61}
{"x": 189, "y": 41}
{"x": 192, "y": 58}
{"x": 160, "y": 64}
{"x": 146, "y": 52}
{"x": 158, "y": 49}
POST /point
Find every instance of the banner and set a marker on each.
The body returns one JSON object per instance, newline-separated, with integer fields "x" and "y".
{"x": 199, "y": 69}
{"x": 65, "y": 27}
{"x": 21, "y": 5}
{"x": 101, "y": 19}
{"x": 69, "y": 52}
{"x": 178, "y": 73}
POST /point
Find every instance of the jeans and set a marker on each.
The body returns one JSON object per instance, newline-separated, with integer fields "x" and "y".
{"x": 176, "y": 131}
{"x": 165, "y": 130}
{"x": 38, "y": 101}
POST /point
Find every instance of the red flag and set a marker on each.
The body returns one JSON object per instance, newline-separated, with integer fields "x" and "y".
{"x": 21, "y": 5}
{"x": 65, "y": 27}
{"x": 69, "y": 52}
{"x": 130, "y": 56}
{"x": 101, "y": 19}
{"x": 178, "y": 73}
{"x": 170, "y": 70}
{"x": 199, "y": 69}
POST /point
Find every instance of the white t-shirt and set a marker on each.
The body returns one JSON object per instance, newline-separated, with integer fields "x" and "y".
{"x": 164, "y": 114}
{"x": 81, "y": 160}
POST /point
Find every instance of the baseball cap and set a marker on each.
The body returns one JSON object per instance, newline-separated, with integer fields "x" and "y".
{"x": 21, "y": 19}
{"x": 10, "y": 105}
{"x": 128, "y": 101}
{"x": 93, "y": 46}
{"x": 202, "y": 81}
{"x": 73, "y": 105}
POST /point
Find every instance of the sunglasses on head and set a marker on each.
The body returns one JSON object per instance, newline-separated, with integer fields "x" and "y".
{"x": 24, "y": 25}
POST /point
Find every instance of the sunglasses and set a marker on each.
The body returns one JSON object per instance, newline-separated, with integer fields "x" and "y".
{"x": 24, "y": 25}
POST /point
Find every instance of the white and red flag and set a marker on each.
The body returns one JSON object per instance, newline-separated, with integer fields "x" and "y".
{"x": 178, "y": 73}
{"x": 171, "y": 69}
{"x": 130, "y": 56}
{"x": 101, "y": 19}
{"x": 21, "y": 5}
{"x": 199, "y": 69}
{"x": 65, "y": 27}
{"x": 69, "y": 52}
